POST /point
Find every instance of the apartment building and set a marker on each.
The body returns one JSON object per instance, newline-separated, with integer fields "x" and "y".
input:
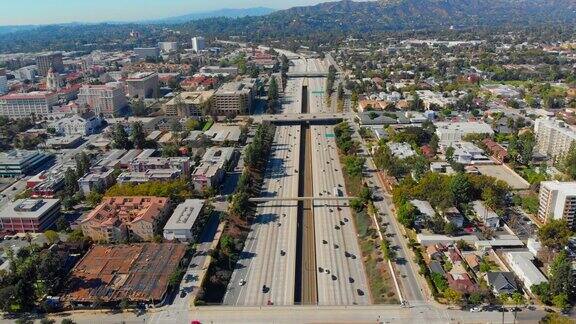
{"x": 143, "y": 53}
{"x": 107, "y": 99}
{"x": 183, "y": 225}
{"x": 143, "y": 85}
{"x": 553, "y": 137}
{"x": 189, "y": 104}
{"x": 557, "y": 200}
{"x": 212, "y": 167}
{"x": 198, "y": 43}
{"x": 118, "y": 218}
{"x": 167, "y": 47}
{"x": 234, "y": 98}
{"x": 3, "y": 82}
{"x": 455, "y": 131}
{"x": 24, "y": 105}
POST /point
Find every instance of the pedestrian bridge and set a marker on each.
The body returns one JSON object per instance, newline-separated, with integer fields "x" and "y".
{"x": 327, "y": 198}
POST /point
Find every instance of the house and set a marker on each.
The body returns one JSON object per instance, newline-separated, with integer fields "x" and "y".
{"x": 435, "y": 251}
{"x": 502, "y": 282}
{"x": 426, "y": 212}
{"x": 473, "y": 261}
{"x": 452, "y": 215}
{"x": 436, "y": 267}
{"x": 486, "y": 215}
{"x": 461, "y": 282}
{"x": 521, "y": 263}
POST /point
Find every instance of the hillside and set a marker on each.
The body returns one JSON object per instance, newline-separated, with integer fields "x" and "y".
{"x": 229, "y": 13}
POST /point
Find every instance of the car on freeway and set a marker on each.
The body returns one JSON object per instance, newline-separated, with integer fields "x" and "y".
{"x": 475, "y": 309}
{"x": 242, "y": 282}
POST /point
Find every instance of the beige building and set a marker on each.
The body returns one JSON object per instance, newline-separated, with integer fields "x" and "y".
{"x": 188, "y": 104}
{"x": 234, "y": 98}
{"x": 143, "y": 85}
{"x": 48, "y": 61}
{"x": 553, "y": 137}
{"x": 557, "y": 200}
{"x": 23, "y": 105}
{"x": 105, "y": 99}
{"x": 119, "y": 218}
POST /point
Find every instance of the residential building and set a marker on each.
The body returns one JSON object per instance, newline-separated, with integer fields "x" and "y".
{"x": 522, "y": 265}
{"x": 502, "y": 282}
{"x": 29, "y": 215}
{"x": 220, "y": 70}
{"x": 557, "y": 200}
{"x": 143, "y": 85}
{"x": 553, "y": 137}
{"x": 486, "y": 215}
{"x": 425, "y": 212}
{"x": 24, "y": 105}
{"x": 453, "y": 216}
{"x": 189, "y": 104}
{"x": 401, "y": 150}
{"x": 212, "y": 167}
{"x": 234, "y": 98}
{"x": 220, "y": 133}
{"x": 107, "y": 99}
{"x": 64, "y": 142}
{"x": 84, "y": 125}
{"x": 183, "y": 224}
{"x": 21, "y": 162}
{"x": 167, "y": 47}
{"x": 198, "y": 43}
{"x": 143, "y": 53}
{"x": 455, "y": 131}
{"x": 499, "y": 153}
{"x": 99, "y": 179}
{"x": 48, "y": 61}
{"x": 145, "y": 163}
{"x": 467, "y": 153}
{"x": 148, "y": 175}
{"x": 118, "y": 218}
{"x": 139, "y": 273}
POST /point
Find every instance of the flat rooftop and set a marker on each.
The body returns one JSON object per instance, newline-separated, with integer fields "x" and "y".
{"x": 28, "y": 208}
{"x": 138, "y": 272}
{"x": 185, "y": 215}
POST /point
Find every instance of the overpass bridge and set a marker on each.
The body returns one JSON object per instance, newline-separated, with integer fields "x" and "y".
{"x": 301, "y": 118}
{"x": 307, "y": 74}
{"x": 269, "y": 199}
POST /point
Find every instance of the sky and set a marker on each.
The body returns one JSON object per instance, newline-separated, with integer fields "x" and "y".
{"x": 24, "y": 12}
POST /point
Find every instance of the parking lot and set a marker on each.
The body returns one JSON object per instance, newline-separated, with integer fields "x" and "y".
{"x": 503, "y": 173}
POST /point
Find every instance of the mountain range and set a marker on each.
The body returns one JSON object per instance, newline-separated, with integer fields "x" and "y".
{"x": 226, "y": 12}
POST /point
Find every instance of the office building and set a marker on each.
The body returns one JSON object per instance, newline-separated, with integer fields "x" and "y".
{"x": 167, "y": 47}
{"x": 21, "y": 162}
{"x": 107, "y": 99}
{"x": 183, "y": 225}
{"x": 553, "y": 137}
{"x": 99, "y": 179}
{"x": 118, "y": 218}
{"x": 48, "y": 61}
{"x": 29, "y": 215}
{"x": 143, "y": 53}
{"x": 3, "y": 82}
{"x": 143, "y": 85}
{"x": 234, "y": 98}
{"x": 24, "y": 105}
{"x": 557, "y": 200}
{"x": 189, "y": 104}
{"x": 212, "y": 167}
{"x": 198, "y": 43}
{"x": 455, "y": 131}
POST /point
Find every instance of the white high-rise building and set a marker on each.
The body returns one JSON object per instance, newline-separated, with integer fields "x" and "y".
{"x": 553, "y": 137}
{"x": 167, "y": 47}
{"x": 198, "y": 43}
{"x": 557, "y": 200}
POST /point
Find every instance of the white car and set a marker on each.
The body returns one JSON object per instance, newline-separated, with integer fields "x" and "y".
{"x": 242, "y": 282}
{"x": 475, "y": 309}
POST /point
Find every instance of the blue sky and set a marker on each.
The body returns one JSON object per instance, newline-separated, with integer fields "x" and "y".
{"x": 21, "y": 12}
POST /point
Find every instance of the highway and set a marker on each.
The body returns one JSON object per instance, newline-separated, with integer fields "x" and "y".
{"x": 266, "y": 271}
{"x": 341, "y": 275}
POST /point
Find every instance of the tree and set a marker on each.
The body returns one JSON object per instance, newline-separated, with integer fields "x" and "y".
{"x": 192, "y": 124}
{"x": 439, "y": 281}
{"x": 568, "y": 164}
{"x": 449, "y": 154}
{"x": 273, "y": 90}
{"x": 62, "y": 224}
{"x": 67, "y": 321}
{"x": 47, "y": 321}
{"x": 94, "y": 198}
{"x": 120, "y": 138}
{"x": 82, "y": 164}
{"x": 452, "y": 296}
{"x": 561, "y": 301}
{"x": 461, "y": 188}
{"x": 139, "y": 108}
{"x": 562, "y": 280}
{"x": 542, "y": 290}
{"x": 475, "y": 298}
{"x": 70, "y": 182}
{"x": 554, "y": 234}
{"x": 52, "y": 236}
{"x": 407, "y": 214}
{"x": 137, "y": 135}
